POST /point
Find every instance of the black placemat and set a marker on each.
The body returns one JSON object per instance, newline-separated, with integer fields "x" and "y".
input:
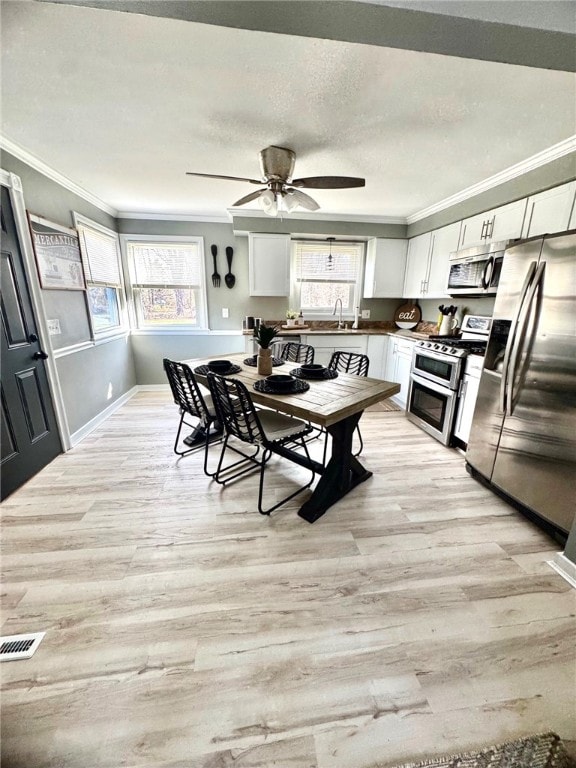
{"x": 254, "y": 362}
{"x": 298, "y": 386}
{"x": 327, "y": 373}
{"x": 203, "y": 370}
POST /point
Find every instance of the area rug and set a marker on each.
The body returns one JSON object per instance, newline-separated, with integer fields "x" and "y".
{"x": 543, "y": 750}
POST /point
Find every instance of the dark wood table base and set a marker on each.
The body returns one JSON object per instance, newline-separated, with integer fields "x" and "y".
{"x": 342, "y": 473}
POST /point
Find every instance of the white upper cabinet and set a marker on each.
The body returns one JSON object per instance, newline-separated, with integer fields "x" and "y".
{"x": 385, "y": 268}
{"x": 550, "y": 211}
{"x": 444, "y": 241}
{"x": 417, "y": 265}
{"x": 269, "y": 264}
{"x": 504, "y": 223}
{"x": 427, "y": 264}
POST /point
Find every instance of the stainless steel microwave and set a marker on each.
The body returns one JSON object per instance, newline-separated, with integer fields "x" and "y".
{"x": 476, "y": 271}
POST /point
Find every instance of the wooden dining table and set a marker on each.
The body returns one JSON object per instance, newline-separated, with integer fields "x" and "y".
{"x": 335, "y": 404}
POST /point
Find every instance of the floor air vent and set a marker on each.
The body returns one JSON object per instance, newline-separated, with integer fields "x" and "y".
{"x": 14, "y": 647}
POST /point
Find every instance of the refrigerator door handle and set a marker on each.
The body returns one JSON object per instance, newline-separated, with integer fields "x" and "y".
{"x": 519, "y": 336}
{"x": 512, "y": 336}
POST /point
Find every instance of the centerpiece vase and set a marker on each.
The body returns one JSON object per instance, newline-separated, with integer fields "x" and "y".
{"x": 264, "y": 361}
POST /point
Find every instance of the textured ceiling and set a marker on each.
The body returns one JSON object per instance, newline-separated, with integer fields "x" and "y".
{"x": 123, "y": 105}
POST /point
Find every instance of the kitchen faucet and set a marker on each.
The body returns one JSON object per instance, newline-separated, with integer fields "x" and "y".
{"x": 334, "y": 312}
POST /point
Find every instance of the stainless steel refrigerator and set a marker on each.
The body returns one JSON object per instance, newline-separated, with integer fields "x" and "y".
{"x": 523, "y": 437}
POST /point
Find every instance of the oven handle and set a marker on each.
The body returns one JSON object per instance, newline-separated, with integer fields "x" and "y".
{"x": 452, "y": 393}
{"x": 512, "y": 335}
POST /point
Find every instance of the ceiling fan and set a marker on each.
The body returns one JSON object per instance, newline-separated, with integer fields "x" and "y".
{"x": 282, "y": 192}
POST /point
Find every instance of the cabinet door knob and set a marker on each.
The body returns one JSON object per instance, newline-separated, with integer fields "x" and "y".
{"x": 40, "y": 355}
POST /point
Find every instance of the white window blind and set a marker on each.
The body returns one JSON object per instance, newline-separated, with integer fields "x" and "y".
{"x": 166, "y": 265}
{"x": 100, "y": 255}
{"x": 336, "y": 262}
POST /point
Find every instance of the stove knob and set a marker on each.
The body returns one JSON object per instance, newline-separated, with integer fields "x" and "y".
{"x": 453, "y": 351}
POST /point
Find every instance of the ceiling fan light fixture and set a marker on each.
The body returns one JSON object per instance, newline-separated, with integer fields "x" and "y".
{"x": 290, "y": 201}
{"x": 267, "y": 201}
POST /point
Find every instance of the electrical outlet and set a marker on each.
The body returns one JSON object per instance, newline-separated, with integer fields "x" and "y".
{"x": 365, "y": 314}
{"x": 225, "y": 312}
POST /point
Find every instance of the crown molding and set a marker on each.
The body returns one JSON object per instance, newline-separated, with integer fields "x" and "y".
{"x": 296, "y": 216}
{"x": 197, "y": 217}
{"x": 38, "y": 165}
{"x": 554, "y": 152}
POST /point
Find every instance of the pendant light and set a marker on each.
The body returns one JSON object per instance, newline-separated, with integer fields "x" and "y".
{"x": 330, "y": 260}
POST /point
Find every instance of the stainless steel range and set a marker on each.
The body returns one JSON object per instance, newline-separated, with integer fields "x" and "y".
{"x": 437, "y": 375}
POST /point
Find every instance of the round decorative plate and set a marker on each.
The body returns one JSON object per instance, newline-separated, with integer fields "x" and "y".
{"x": 327, "y": 373}
{"x": 254, "y": 362}
{"x": 203, "y": 370}
{"x": 262, "y": 386}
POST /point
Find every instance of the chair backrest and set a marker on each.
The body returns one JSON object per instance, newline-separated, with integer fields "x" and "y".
{"x": 349, "y": 362}
{"x": 185, "y": 389}
{"x": 293, "y": 352}
{"x": 235, "y": 409}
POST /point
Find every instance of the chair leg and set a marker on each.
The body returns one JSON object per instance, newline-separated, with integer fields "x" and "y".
{"x": 267, "y": 454}
{"x": 195, "y": 448}
{"x": 248, "y": 463}
{"x": 359, "y": 451}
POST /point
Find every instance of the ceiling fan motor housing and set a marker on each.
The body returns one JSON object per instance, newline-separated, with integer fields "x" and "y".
{"x": 277, "y": 163}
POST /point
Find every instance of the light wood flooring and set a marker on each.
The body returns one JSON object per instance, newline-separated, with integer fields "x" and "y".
{"x": 417, "y": 617}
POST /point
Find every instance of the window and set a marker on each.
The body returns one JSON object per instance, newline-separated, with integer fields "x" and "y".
{"x": 324, "y": 272}
{"x": 101, "y": 258}
{"x": 167, "y": 281}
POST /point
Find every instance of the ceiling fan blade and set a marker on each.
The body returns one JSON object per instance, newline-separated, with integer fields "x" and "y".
{"x": 303, "y": 199}
{"x": 248, "y": 198}
{"x": 228, "y": 178}
{"x": 329, "y": 182}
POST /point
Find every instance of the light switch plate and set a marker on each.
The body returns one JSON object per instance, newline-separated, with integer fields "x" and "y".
{"x": 365, "y": 314}
{"x": 224, "y": 311}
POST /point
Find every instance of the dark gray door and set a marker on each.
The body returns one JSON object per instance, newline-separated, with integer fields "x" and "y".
{"x": 30, "y": 437}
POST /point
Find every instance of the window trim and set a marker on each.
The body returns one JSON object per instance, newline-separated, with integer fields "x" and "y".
{"x": 123, "y": 327}
{"x": 358, "y": 285}
{"x": 125, "y": 240}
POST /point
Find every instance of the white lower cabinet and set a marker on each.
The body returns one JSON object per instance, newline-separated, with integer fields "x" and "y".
{"x": 376, "y": 349}
{"x": 325, "y": 345}
{"x": 398, "y": 364}
{"x": 468, "y": 396}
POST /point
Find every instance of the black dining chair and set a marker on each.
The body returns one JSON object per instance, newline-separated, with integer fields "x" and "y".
{"x": 355, "y": 363}
{"x": 196, "y": 411}
{"x": 267, "y": 432}
{"x": 293, "y": 352}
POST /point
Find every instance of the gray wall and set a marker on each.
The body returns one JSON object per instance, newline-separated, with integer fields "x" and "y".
{"x": 93, "y": 378}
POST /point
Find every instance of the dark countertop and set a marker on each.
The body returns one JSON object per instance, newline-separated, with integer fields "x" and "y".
{"x": 412, "y": 335}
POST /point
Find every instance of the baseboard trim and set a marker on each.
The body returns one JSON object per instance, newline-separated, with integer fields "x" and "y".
{"x": 565, "y": 567}
{"x": 91, "y": 425}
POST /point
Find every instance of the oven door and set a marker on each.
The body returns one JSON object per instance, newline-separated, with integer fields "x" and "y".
{"x": 432, "y": 407}
{"x": 437, "y": 367}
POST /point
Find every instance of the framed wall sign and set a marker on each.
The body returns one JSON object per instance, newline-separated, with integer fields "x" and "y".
{"x": 58, "y": 258}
